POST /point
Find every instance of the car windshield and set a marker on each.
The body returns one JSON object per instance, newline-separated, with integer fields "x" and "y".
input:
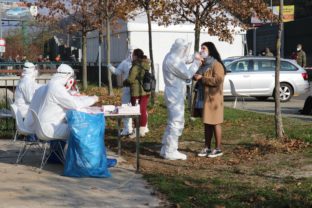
{"x": 227, "y": 61}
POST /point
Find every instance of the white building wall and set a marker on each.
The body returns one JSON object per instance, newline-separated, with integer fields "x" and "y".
{"x": 119, "y": 47}
{"x": 162, "y": 41}
{"x": 136, "y": 34}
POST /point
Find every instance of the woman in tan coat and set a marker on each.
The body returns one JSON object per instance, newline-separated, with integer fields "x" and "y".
{"x": 211, "y": 77}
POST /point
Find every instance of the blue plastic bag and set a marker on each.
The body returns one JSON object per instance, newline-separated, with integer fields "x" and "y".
{"x": 86, "y": 152}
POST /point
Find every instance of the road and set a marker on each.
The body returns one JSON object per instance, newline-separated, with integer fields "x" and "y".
{"x": 289, "y": 109}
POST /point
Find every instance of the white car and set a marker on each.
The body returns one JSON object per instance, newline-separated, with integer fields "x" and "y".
{"x": 255, "y": 76}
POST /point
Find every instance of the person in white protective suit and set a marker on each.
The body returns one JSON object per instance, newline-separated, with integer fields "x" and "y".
{"x": 57, "y": 99}
{"x": 35, "y": 105}
{"x": 26, "y": 88}
{"x": 123, "y": 69}
{"x": 176, "y": 73}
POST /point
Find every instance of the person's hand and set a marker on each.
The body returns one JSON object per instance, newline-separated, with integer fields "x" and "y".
{"x": 198, "y": 57}
{"x": 198, "y": 77}
{"x": 110, "y": 67}
{"x": 96, "y": 98}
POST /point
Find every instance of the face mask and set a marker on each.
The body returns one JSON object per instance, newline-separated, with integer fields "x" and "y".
{"x": 36, "y": 73}
{"x": 298, "y": 49}
{"x": 204, "y": 54}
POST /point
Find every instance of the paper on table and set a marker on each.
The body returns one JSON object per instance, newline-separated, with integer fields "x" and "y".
{"x": 108, "y": 108}
{"x": 125, "y": 109}
{"x": 92, "y": 110}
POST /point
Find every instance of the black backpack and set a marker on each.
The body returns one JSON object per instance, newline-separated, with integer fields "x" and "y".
{"x": 148, "y": 82}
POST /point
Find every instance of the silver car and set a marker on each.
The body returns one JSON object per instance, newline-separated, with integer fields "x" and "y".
{"x": 255, "y": 76}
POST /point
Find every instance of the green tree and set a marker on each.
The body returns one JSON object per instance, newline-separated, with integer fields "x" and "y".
{"x": 153, "y": 9}
{"x": 110, "y": 13}
{"x": 81, "y": 18}
{"x": 279, "y": 130}
{"x": 220, "y": 18}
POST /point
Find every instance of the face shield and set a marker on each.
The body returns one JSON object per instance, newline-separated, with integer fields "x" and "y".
{"x": 71, "y": 84}
{"x": 36, "y": 72}
{"x": 129, "y": 53}
{"x": 29, "y": 69}
{"x": 64, "y": 73}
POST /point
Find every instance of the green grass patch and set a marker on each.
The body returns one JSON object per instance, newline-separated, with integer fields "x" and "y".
{"x": 190, "y": 192}
{"x": 232, "y": 188}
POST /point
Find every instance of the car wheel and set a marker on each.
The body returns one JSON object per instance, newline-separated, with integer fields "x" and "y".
{"x": 286, "y": 92}
{"x": 262, "y": 98}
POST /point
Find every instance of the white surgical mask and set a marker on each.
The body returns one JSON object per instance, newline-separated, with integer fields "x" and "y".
{"x": 204, "y": 54}
{"x": 298, "y": 48}
{"x": 36, "y": 73}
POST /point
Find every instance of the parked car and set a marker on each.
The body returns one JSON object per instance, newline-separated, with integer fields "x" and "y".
{"x": 230, "y": 59}
{"x": 309, "y": 71}
{"x": 255, "y": 76}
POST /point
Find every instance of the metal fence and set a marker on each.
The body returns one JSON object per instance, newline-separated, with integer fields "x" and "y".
{"x": 40, "y": 65}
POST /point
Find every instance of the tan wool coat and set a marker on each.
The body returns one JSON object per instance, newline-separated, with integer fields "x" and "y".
{"x": 213, "y": 105}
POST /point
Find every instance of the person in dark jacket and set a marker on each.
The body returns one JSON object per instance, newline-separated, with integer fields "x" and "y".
{"x": 140, "y": 64}
{"x": 301, "y": 57}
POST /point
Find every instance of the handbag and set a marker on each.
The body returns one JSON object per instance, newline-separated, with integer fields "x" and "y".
{"x": 198, "y": 101}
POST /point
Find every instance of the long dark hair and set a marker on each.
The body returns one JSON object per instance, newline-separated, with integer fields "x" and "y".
{"x": 139, "y": 53}
{"x": 214, "y": 53}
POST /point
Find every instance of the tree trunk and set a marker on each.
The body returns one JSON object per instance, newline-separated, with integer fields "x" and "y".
{"x": 100, "y": 55}
{"x": 197, "y": 33}
{"x": 278, "y": 115}
{"x": 150, "y": 41}
{"x": 100, "y": 42}
{"x": 84, "y": 60}
{"x": 109, "y": 74}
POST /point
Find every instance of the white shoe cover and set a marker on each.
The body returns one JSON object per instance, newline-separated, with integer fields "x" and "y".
{"x": 146, "y": 130}
{"x": 142, "y": 132}
{"x": 162, "y": 151}
{"x": 125, "y": 132}
{"x": 175, "y": 156}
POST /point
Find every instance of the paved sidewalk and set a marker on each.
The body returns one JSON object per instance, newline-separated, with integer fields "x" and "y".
{"x": 289, "y": 109}
{"x": 24, "y": 185}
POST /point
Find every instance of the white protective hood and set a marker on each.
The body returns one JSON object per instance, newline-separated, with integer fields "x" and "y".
{"x": 26, "y": 88}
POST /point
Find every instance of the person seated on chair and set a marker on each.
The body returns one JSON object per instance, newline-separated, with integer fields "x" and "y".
{"x": 26, "y": 88}
{"x": 35, "y": 104}
{"x": 57, "y": 100}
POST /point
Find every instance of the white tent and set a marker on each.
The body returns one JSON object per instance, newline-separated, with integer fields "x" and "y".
{"x": 135, "y": 33}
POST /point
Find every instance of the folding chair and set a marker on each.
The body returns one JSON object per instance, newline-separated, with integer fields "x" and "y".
{"x": 21, "y": 130}
{"x": 46, "y": 140}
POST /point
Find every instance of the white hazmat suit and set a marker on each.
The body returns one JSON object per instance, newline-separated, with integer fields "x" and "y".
{"x": 57, "y": 100}
{"x": 175, "y": 73}
{"x": 35, "y": 105}
{"x": 123, "y": 69}
{"x": 26, "y": 88}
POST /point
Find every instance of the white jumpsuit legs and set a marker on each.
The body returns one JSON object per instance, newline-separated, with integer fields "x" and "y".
{"x": 175, "y": 123}
{"x": 127, "y": 122}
